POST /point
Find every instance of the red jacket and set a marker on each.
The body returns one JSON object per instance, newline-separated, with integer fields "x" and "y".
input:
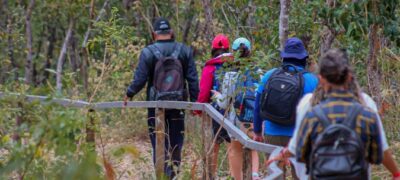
{"x": 207, "y": 76}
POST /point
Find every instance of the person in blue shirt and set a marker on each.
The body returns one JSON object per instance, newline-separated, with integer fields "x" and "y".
{"x": 294, "y": 53}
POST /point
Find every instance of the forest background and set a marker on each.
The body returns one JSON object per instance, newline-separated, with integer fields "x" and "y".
{"x": 88, "y": 50}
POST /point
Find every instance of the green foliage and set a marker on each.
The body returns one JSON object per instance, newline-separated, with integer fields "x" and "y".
{"x": 115, "y": 51}
{"x": 51, "y": 142}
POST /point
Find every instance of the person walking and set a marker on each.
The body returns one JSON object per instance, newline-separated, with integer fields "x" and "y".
{"x": 349, "y": 131}
{"x": 320, "y": 96}
{"x": 168, "y": 67}
{"x": 278, "y": 94}
{"x": 238, "y": 97}
{"x": 211, "y": 79}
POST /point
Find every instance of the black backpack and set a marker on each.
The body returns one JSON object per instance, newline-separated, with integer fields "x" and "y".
{"x": 338, "y": 152}
{"x": 281, "y": 95}
{"x": 168, "y": 82}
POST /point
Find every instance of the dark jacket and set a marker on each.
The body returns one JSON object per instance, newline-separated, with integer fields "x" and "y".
{"x": 145, "y": 70}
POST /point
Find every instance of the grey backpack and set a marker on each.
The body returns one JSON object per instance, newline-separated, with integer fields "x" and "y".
{"x": 168, "y": 79}
{"x": 338, "y": 152}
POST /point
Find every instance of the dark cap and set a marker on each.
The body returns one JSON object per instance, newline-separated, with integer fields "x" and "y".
{"x": 161, "y": 26}
{"x": 294, "y": 48}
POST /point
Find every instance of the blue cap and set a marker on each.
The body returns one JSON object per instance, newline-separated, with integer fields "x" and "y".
{"x": 236, "y": 44}
{"x": 294, "y": 48}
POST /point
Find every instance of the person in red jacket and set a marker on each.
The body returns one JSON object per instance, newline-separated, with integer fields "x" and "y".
{"x": 220, "y": 54}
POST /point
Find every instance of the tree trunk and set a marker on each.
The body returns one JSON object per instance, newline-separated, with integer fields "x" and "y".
{"x": 4, "y": 14}
{"x": 138, "y": 23}
{"x": 188, "y": 23}
{"x": 35, "y": 77}
{"x": 127, "y": 4}
{"x": 373, "y": 74}
{"x": 10, "y": 47}
{"x": 197, "y": 28}
{"x": 87, "y": 34}
{"x": 60, "y": 61}
{"x": 209, "y": 33}
{"x": 331, "y": 3}
{"x": 84, "y": 53}
{"x": 251, "y": 22}
{"x": 284, "y": 22}
{"x": 74, "y": 62}
{"x": 50, "y": 51}
{"x": 29, "y": 56}
{"x": 328, "y": 36}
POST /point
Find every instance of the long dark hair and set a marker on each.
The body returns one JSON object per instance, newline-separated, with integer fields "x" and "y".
{"x": 244, "y": 51}
{"x": 335, "y": 67}
{"x": 218, "y": 51}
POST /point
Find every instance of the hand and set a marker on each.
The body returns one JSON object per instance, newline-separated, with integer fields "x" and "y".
{"x": 258, "y": 137}
{"x": 126, "y": 99}
{"x": 255, "y": 176}
{"x": 215, "y": 93}
{"x": 196, "y": 113}
{"x": 282, "y": 158}
{"x": 396, "y": 176}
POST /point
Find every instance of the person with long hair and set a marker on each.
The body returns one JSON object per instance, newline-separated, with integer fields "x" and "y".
{"x": 338, "y": 82}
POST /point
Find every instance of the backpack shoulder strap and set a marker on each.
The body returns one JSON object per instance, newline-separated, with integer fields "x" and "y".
{"x": 177, "y": 50}
{"x": 352, "y": 114}
{"x": 302, "y": 81}
{"x": 276, "y": 71}
{"x": 287, "y": 66}
{"x": 215, "y": 77}
{"x": 153, "y": 48}
{"x": 321, "y": 116}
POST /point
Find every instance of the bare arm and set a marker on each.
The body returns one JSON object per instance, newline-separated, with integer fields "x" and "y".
{"x": 389, "y": 162}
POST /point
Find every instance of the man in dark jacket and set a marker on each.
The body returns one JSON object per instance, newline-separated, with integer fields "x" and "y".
{"x": 174, "y": 119}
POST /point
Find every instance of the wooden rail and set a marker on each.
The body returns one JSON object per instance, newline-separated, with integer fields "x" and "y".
{"x": 208, "y": 113}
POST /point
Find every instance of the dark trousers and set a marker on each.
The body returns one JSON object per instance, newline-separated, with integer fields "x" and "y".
{"x": 174, "y": 136}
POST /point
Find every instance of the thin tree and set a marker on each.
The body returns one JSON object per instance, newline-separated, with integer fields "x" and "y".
{"x": 51, "y": 39}
{"x": 373, "y": 74}
{"x": 189, "y": 19}
{"x": 208, "y": 28}
{"x": 10, "y": 46}
{"x": 84, "y": 53}
{"x": 328, "y": 34}
{"x": 29, "y": 55}
{"x": 284, "y": 22}
{"x": 60, "y": 61}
